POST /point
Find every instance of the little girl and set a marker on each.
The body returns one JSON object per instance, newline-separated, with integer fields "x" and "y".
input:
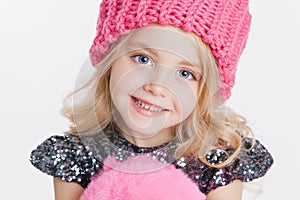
{"x": 151, "y": 122}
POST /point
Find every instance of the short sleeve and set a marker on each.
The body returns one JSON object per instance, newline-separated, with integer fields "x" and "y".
{"x": 252, "y": 163}
{"x": 65, "y": 157}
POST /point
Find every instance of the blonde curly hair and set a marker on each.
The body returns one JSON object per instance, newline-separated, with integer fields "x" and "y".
{"x": 211, "y": 125}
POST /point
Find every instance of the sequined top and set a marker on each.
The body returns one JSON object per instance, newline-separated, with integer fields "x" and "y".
{"x": 77, "y": 159}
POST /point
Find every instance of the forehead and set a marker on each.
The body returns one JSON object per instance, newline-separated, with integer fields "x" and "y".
{"x": 167, "y": 38}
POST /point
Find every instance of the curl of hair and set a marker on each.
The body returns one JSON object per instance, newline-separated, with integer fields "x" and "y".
{"x": 210, "y": 126}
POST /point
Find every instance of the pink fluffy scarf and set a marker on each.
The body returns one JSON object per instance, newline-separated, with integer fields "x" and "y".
{"x": 141, "y": 177}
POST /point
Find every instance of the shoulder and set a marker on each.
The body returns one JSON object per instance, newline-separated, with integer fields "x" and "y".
{"x": 65, "y": 157}
{"x": 252, "y": 163}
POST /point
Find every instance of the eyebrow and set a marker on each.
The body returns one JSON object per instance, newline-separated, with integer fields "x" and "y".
{"x": 185, "y": 62}
{"x": 143, "y": 46}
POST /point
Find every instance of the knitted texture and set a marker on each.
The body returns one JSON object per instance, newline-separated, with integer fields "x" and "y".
{"x": 222, "y": 24}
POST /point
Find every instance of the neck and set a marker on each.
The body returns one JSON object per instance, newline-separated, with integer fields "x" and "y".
{"x": 158, "y": 139}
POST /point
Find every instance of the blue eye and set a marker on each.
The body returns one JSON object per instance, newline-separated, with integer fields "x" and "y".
{"x": 186, "y": 74}
{"x": 142, "y": 59}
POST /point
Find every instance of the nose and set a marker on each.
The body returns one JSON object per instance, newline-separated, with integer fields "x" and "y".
{"x": 159, "y": 81}
{"x": 156, "y": 89}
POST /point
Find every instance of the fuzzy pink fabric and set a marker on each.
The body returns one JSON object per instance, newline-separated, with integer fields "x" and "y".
{"x": 141, "y": 178}
{"x": 222, "y": 24}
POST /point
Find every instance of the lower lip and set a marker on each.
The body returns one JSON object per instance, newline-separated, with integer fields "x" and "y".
{"x": 143, "y": 111}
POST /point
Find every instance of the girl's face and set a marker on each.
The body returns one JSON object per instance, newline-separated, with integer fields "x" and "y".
{"x": 154, "y": 83}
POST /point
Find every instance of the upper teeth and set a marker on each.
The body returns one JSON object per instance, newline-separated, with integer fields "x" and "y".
{"x": 147, "y": 106}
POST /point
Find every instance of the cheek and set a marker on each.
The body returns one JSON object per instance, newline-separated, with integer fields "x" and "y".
{"x": 120, "y": 77}
{"x": 187, "y": 105}
{"x": 124, "y": 82}
{"x": 190, "y": 99}
{"x": 115, "y": 75}
{"x": 186, "y": 94}
{"x": 186, "y": 101}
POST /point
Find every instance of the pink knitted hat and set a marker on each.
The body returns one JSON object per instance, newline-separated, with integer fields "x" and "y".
{"x": 222, "y": 24}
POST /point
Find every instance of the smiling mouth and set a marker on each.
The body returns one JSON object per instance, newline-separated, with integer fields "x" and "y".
{"x": 146, "y": 106}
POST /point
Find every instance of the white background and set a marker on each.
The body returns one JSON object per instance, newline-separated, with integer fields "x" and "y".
{"x": 44, "y": 43}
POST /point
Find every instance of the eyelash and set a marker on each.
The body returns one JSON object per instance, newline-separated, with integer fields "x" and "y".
{"x": 191, "y": 73}
{"x": 142, "y": 54}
